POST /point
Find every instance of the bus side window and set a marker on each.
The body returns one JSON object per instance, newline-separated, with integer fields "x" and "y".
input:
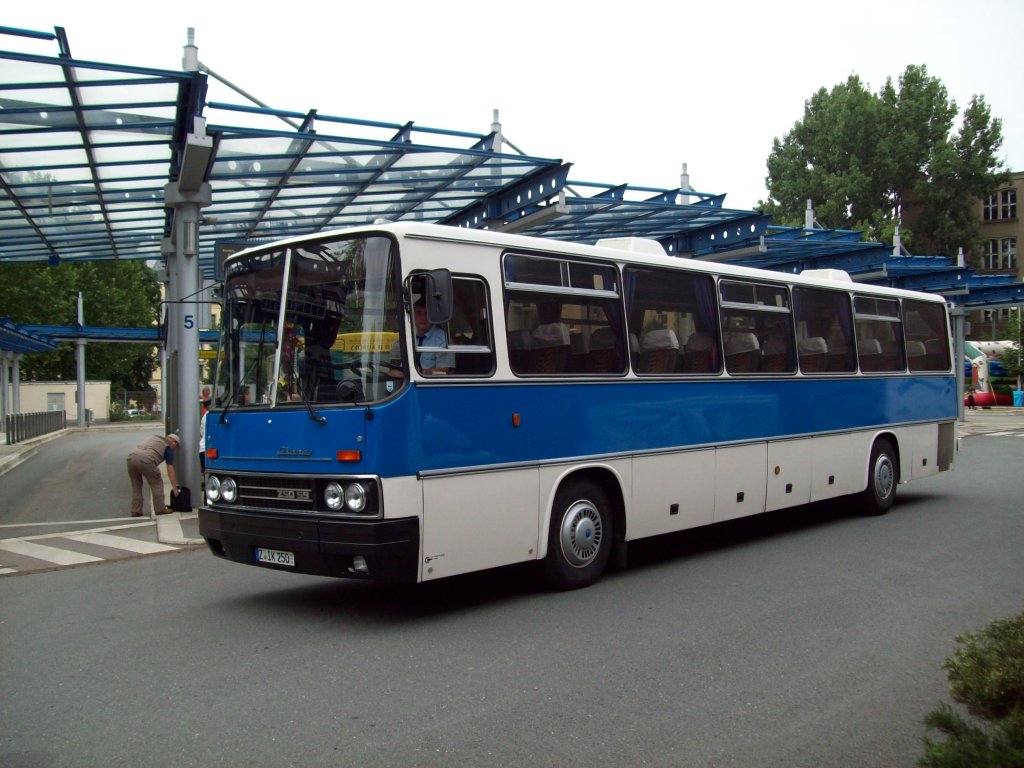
{"x": 562, "y": 316}
{"x": 463, "y": 346}
{"x": 824, "y": 329}
{"x": 927, "y": 337}
{"x": 758, "y": 328}
{"x": 470, "y": 329}
{"x": 673, "y": 322}
{"x": 879, "y": 334}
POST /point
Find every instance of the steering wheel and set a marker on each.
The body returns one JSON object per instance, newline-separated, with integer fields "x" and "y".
{"x": 373, "y": 371}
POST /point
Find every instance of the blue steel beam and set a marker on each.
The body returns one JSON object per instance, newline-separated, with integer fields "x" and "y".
{"x": 778, "y": 232}
{"x": 793, "y": 259}
{"x": 993, "y": 296}
{"x": 121, "y": 335}
{"x": 715, "y": 201}
{"x": 745, "y": 229}
{"x": 929, "y": 279}
{"x": 511, "y": 203}
{"x": 17, "y": 338}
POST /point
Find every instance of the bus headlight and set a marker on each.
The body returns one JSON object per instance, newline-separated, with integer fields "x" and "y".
{"x": 212, "y": 489}
{"x": 355, "y": 497}
{"x": 334, "y": 496}
{"x": 349, "y": 496}
{"x": 228, "y": 490}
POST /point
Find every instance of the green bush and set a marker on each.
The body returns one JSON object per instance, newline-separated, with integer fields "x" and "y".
{"x": 117, "y": 411}
{"x": 986, "y": 675}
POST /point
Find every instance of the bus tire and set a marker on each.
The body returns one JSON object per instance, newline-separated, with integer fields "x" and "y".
{"x": 580, "y": 538}
{"x": 883, "y": 476}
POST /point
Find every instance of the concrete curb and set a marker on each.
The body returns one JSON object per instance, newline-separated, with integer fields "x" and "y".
{"x": 169, "y": 530}
{"x": 12, "y": 460}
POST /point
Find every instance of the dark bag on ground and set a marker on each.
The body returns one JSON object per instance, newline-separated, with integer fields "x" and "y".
{"x": 182, "y": 501}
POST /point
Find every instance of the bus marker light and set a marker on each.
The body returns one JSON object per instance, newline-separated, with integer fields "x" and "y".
{"x": 211, "y": 453}
{"x": 515, "y": 419}
{"x": 350, "y": 455}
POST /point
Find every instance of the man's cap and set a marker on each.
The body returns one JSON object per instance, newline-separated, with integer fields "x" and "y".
{"x": 174, "y": 438}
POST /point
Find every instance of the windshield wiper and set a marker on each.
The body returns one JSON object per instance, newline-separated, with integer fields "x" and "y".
{"x": 234, "y": 394}
{"x": 245, "y": 375}
{"x": 309, "y": 407}
{"x": 224, "y": 414}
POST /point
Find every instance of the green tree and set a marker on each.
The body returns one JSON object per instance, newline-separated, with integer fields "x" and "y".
{"x": 875, "y": 161}
{"x": 115, "y": 294}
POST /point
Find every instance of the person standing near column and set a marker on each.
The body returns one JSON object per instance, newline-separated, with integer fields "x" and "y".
{"x": 204, "y": 408}
{"x": 144, "y": 462}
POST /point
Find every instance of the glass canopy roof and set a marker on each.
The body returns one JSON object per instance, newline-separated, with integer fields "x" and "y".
{"x": 87, "y": 149}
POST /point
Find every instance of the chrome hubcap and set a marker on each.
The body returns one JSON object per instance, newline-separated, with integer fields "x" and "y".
{"x": 885, "y": 476}
{"x": 580, "y": 534}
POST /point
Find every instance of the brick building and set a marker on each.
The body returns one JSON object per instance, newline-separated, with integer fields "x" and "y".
{"x": 1002, "y": 229}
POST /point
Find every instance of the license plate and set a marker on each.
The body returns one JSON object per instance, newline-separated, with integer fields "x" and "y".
{"x": 275, "y": 556}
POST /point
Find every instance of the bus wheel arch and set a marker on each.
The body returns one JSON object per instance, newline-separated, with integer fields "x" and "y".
{"x": 883, "y": 476}
{"x": 587, "y": 514}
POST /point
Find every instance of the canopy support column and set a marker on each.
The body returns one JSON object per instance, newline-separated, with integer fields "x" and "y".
{"x": 181, "y": 376}
{"x": 80, "y": 365}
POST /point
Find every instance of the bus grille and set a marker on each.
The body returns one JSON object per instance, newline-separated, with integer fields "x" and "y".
{"x": 277, "y": 493}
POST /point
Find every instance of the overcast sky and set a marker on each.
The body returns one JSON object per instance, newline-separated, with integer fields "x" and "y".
{"x": 627, "y": 92}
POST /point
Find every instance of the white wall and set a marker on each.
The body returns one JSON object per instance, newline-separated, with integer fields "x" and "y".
{"x": 34, "y": 397}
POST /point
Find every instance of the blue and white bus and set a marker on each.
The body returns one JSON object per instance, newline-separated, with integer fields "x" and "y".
{"x": 407, "y": 402}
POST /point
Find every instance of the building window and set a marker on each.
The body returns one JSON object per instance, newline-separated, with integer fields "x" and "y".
{"x": 996, "y": 316}
{"x": 991, "y": 259}
{"x": 1000, "y": 255}
{"x": 1008, "y": 204}
{"x": 990, "y": 208}
{"x": 1000, "y": 205}
{"x": 1009, "y": 249}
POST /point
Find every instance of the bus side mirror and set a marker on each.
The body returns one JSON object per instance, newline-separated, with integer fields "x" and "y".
{"x": 437, "y": 289}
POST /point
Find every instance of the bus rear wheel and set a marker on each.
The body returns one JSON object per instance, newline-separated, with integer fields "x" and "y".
{"x": 580, "y": 538}
{"x": 883, "y": 476}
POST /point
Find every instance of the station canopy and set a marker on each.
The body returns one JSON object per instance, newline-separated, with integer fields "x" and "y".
{"x": 87, "y": 149}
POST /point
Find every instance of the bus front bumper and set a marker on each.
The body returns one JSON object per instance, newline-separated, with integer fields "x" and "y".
{"x": 381, "y": 550}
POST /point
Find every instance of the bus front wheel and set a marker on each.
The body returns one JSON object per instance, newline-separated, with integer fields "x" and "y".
{"x": 580, "y": 539}
{"x": 883, "y": 475}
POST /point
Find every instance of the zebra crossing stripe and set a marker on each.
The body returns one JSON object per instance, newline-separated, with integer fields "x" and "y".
{"x": 43, "y": 552}
{"x": 120, "y": 542}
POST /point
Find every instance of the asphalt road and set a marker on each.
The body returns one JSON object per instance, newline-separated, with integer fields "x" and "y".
{"x": 80, "y": 477}
{"x": 807, "y": 638}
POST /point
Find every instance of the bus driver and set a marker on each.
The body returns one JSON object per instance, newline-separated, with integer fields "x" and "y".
{"x": 428, "y": 335}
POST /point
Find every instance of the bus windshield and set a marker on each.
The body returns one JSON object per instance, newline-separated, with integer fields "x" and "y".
{"x": 333, "y": 340}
